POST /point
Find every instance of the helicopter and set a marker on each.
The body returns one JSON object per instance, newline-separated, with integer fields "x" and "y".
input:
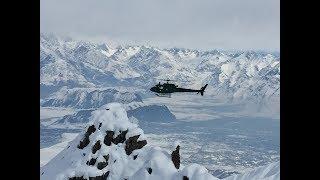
{"x": 168, "y": 88}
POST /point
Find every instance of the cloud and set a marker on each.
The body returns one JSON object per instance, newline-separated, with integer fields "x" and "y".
{"x": 201, "y": 24}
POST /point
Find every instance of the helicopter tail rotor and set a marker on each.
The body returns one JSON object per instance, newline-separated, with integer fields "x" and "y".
{"x": 202, "y": 89}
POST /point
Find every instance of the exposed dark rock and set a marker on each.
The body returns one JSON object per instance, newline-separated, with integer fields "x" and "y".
{"x": 102, "y": 177}
{"x": 132, "y": 144}
{"x": 106, "y": 157}
{"x": 108, "y": 138}
{"x": 185, "y": 178}
{"x": 96, "y": 147}
{"x": 91, "y": 162}
{"x": 175, "y": 157}
{"x": 121, "y": 137}
{"x": 149, "y": 170}
{"x": 135, "y": 157}
{"x": 107, "y": 109}
{"x": 42, "y": 173}
{"x": 102, "y": 165}
{"x": 84, "y": 154}
{"x": 114, "y": 161}
{"x": 100, "y": 126}
{"x": 86, "y": 140}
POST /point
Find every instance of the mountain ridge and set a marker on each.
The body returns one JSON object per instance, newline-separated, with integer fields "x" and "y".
{"x": 234, "y": 74}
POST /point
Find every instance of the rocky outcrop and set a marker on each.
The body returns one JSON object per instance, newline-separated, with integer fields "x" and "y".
{"x": 114, "y": 148}
{"x": 86, "y": 140}
{"x": 133, "y": 144}
{"x": 102, "y": 177}
{"x": 175, "y": 157}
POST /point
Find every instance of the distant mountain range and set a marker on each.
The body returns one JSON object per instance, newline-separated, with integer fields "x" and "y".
{"x": 87, "y": 98}
{"x": 232, "y": 74}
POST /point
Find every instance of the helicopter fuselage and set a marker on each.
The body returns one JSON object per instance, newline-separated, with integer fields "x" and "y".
{"x": 171, "y": 88}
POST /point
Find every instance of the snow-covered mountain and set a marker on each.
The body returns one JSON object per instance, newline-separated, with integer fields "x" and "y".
{"x": 142, "y": 113}
{"x": 267, "y": 172}
{"x": 88, "y": 98}
{"x": 152, "y": 113}
{"x": 237, "y": 75}
{"x": 81, "y": 77}
{"x": 112, "y": 147}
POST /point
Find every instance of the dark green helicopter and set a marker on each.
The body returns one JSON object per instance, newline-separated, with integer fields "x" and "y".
{"x": 168, "y": 88}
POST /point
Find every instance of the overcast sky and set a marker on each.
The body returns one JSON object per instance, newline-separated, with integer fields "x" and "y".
{"x": 199, "y": 24}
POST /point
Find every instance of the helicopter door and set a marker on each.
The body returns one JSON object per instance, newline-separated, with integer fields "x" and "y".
{"x": 160, "y": 88}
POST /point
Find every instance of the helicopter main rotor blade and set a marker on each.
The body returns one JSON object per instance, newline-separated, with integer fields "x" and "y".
{"x": 166, "y": 79}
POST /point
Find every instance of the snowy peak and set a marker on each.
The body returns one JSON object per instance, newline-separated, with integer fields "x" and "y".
{"x": 106, "y": 49}
{"x": 124, "y": 53}
{"x": 112, "y": 147}
{"x": 183, "y": 53}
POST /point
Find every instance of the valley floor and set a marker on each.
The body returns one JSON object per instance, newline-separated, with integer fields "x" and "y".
{"x": 226, "y": 138}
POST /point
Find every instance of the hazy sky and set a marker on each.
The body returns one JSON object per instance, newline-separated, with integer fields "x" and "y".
{"x": 200, "y": 24}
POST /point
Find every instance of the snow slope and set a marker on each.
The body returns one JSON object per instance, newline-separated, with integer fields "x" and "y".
{"x": 268, "y": 172}
{"x": 46, "y": 154}
{"x": 114, "y": 147}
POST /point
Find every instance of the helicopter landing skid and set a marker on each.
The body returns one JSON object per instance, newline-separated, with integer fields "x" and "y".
{"x": 164, "y": 95}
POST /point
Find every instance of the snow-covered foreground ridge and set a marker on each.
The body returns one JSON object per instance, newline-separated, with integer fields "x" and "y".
{"x": 112, "y": 147}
